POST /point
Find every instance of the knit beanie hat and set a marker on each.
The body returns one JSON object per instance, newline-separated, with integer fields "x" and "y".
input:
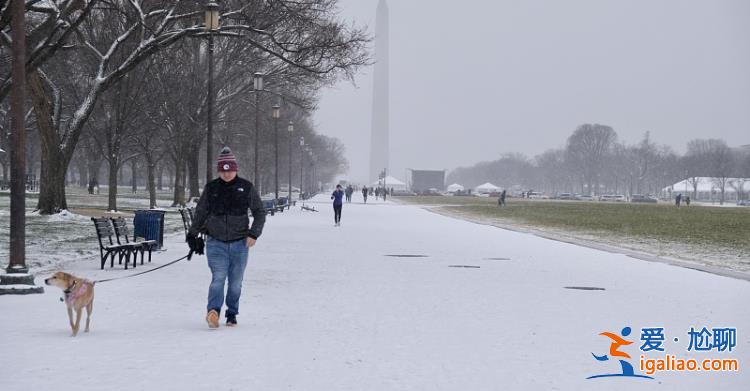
{"x": 226, "y": 161}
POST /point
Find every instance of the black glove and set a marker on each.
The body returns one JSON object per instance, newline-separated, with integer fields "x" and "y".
{"x": 195, "y": 243}
{"x": 200, "y": 246}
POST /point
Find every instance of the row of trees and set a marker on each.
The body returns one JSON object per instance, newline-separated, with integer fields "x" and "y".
{"x": 125, "y": 83}
{"x": 593, "y": 161}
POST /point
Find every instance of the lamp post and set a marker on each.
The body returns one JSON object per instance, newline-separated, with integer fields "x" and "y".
{"x": 313, "y": 177}
{"x": 290, "y": 129}
{"x": 212, "y": 23}
{"x": 301, "y": 164}
{"x": 257, "y": 86}
{"x": 275, "y": 114}
{"x": 17, "y": 280}
{"x": 309, "y": 170}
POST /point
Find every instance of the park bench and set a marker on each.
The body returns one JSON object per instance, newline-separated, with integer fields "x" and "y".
{"x": 187, "y": 218}
{"x": 270, "y": 206}
{"x": 122, "y": 232}
{"x": 108, "y": 247}
{"x": 282, "y": 204}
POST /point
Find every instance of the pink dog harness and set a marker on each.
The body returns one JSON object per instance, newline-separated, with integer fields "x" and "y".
{"x": 72, "y": 295}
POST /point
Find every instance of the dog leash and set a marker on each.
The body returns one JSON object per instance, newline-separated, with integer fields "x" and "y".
{"x": 147, "y": 271}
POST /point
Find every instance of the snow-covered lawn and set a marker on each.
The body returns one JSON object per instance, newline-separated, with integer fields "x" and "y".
{"x": 53, "y": 241}
{"x": 326, "y": 308}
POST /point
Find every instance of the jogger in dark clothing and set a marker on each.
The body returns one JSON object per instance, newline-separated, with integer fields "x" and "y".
{"x": 337, "y": 196}
{"x": 364, "y": 193}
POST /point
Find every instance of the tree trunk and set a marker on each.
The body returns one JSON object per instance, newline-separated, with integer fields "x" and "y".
{"x": 192, "y": 161}
{"x": 151, "y": 166}
{"x": 134, "y": 177}
{"x": 171, "y": 173}
{"x": 179, "y": 184}
{"x": 54, "y": 159}
{"x": 159, "y": 177}
{"x": 83, "y": 173}
{"x": 52, "y": 182}
{"x": 184, "y": 175}
{"x": 112, "y": 192}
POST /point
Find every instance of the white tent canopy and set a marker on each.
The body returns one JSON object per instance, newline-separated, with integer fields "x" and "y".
{"x": 390, "y": 182}
{"x": 709, "y": 189}
{"x": 455, "y": 187}
{"x": 707, "y": 184}
{"x": 486, "y": 188}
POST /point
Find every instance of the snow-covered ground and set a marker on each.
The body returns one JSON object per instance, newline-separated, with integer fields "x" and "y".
{"x": 53, "y": 241}
{"x": 327, "y": 308}
{"x": 717, "y": 259}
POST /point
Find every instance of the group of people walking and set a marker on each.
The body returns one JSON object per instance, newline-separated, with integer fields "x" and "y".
{"x": 340, "y": 194}
{"x": 378, "y": 192}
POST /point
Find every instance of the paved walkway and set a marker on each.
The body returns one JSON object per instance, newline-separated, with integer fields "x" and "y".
{"x": 328, "y": 308}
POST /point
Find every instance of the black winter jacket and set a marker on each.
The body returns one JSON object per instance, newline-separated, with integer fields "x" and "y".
{"x": 222, "y": 210}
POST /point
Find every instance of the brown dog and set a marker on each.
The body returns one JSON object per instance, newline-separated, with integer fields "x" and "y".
{"x": 79, "y": 293}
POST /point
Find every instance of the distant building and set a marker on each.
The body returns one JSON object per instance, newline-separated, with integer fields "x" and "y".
{"x": 423, "y": 180}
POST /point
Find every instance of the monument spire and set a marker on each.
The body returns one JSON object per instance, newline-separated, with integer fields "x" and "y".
{"x": 379, "y": 137}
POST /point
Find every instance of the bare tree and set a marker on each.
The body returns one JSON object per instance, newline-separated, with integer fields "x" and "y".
{"x": 587, "y": 149}
{"x": 112, "y": 38}
{"x": 718, "y": 161}
{"x": 50, "y": 25}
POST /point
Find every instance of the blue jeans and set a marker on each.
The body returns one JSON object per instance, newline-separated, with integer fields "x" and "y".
{"x": 227, "y": 261}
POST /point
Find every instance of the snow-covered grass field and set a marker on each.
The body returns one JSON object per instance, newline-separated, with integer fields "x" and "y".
{"x": 717, "y": 237}
{"x": 339, "y": 308}
{"x": 54, "y": 240}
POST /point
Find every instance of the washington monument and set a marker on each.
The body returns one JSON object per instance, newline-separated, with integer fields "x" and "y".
{"x": 379, "y": 148}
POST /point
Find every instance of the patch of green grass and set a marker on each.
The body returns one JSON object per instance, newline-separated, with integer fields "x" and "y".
{"x": 724, "y": 227}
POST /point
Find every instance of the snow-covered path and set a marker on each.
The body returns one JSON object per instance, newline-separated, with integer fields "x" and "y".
{"x": 325, "y": 308}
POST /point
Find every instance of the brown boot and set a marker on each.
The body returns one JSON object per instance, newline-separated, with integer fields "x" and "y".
{"x": 212, "y": 318}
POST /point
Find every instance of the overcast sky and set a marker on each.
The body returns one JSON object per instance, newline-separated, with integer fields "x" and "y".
{"x": 473, "y": 79}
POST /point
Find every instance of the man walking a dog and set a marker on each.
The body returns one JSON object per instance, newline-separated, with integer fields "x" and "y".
{"x": 221, "y": 214}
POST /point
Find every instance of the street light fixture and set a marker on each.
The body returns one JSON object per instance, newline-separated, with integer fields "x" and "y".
{"x": 212, "y": 24}
{"x": 258, "y": 87}
{"x": 290, "y": 129}
{"x": 275, "y": 113}
{"x": 212, "y": 16}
